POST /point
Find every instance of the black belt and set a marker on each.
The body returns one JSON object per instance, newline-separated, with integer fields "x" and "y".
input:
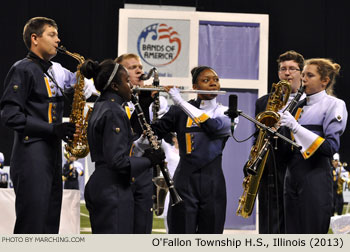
{"x": 313, "y": 127}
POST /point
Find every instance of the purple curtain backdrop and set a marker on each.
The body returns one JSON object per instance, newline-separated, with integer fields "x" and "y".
{"x": 232, "y": 49}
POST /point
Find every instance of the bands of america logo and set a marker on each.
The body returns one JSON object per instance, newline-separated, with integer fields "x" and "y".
{"x": 159, "y": 44}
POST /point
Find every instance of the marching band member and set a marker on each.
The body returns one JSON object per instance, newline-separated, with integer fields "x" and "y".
{"x": 340, "y": 175}
{"x": 202, "y": 130}
{"x": 72, "y": 169}
{"x": 317, "y": 126}
{"x": 142, "y": 188}
{"x": 108, "y": 193}
{"x": 271, "y": 211}
{"x": 32, "y": 105}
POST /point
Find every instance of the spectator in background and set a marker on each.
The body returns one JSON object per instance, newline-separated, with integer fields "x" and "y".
{"x": 72, "y": 169}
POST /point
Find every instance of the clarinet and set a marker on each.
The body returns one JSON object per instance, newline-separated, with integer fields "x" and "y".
{"x": 160, "y": 188}
{"x": 153, "y": 140}
{"x": 291, "y": 106}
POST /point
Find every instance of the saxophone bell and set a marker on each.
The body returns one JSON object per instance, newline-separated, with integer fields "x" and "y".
{"x": 253, "y": 168}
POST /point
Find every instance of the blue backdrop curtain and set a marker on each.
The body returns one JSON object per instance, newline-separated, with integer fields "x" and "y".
{"x": 232, "y": 49}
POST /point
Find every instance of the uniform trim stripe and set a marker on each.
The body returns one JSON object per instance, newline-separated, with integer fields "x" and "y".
{"x": 202, "y": 118}
{"x": 48, "y": 87}
{"x": 131, "y": 153}
{"x": 313, "y": 147}
{"x": 297, "y": 114}
{"x": 189, "y": 122}
{"x": 49, "y": 114}
{"x": 127, "y": 110}
{"x": 188, "y": 143}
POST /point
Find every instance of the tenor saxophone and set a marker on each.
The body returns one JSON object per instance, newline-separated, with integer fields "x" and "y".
{"x": 79, "y": 146}
{"x": 260, "y": 151}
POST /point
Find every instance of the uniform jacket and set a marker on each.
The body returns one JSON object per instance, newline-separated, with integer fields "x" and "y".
{"x": 197, "y": 145}
{"x": 110, "y": 137}
{"x": 30, "y": 105}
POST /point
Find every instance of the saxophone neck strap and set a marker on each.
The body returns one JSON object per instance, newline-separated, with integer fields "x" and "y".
{"x": 56, "y": 84}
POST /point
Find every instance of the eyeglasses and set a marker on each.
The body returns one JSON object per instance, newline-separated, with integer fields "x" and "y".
{"x": 291, "y": 70}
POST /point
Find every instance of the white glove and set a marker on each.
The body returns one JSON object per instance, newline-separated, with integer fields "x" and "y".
{"x": 289, "y": 121}
{"x": 175, "y": 96}
{"x": 89, "y": 88}
{"x": 140, "y": 145}
{"x": 197, "y": 115}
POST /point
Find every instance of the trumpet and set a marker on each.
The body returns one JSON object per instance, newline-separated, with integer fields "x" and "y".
{"x": 182, "y": 90}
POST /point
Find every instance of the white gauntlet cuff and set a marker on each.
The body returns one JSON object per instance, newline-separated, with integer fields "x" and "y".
{"x": 308, "y": 140}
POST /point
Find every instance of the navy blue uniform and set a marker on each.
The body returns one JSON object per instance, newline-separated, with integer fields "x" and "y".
{"x": 108, "y": 193}
{"x": 198, "y": 178}
{"x": 308, "y": 182}
{"x": 30, "y": 105}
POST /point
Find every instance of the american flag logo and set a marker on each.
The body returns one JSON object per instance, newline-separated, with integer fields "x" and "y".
{"x": 159, "y": 44}
{"x": 166, "y": 32}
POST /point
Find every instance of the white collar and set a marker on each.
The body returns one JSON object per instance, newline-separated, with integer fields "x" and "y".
{"x": 208, "y": 104}
{"x": 314, "y": 98}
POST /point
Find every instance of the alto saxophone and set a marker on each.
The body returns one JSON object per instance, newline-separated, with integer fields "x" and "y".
{"x": 260, "y": 151}
{"x": 79, "y": 146}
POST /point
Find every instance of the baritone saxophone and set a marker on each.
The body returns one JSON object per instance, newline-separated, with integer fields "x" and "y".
{"x": 259, "y": 152}
{"x": 79, "y": 146}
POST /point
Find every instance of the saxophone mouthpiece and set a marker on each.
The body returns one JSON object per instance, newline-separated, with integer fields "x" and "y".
{"x": 61, "y": 49}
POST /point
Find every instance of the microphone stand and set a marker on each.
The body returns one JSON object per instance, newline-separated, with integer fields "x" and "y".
{"x": 271, "y": 132}
{"x": 268, "y": 129}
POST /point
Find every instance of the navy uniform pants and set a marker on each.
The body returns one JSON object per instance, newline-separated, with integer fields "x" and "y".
{"x": 143, "y": 215}
{"x": 204, "y": 201}
{"x": 38, "y": 188}
{"x": 271, "y": 210}
{"x": 308, "y": 195}
{"x": 109, "y": 199}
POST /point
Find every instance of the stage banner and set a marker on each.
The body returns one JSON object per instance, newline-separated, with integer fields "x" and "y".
{"x": 161, "y": 43}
